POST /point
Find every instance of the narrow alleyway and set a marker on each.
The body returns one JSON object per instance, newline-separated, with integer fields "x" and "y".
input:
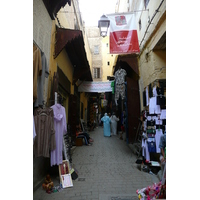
{"x": 107, "y": 169}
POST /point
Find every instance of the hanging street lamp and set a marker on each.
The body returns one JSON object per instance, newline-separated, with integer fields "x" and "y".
{"x": 103, "y": 25}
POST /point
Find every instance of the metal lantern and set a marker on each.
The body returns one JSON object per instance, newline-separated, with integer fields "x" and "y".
{"x": 103, "y": 25}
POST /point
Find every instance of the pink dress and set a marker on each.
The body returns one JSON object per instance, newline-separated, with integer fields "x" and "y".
{"x": 60, "y": 126}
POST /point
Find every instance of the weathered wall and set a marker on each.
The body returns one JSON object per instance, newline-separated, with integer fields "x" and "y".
{"x": 42, "y": 24}
{"x": 95, "y": 39}
{"x": 87, "y": 50}
{"x": 152, "y": 63}
{"x": 100, "y": 60}
{"x": 66, "y": 17}
{"x": 107, "y": 57}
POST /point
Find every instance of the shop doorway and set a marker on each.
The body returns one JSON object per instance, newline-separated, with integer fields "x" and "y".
{"x": 133, "y": 105}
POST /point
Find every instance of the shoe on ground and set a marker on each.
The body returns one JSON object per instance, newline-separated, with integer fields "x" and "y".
{"x": 91, "y": 140}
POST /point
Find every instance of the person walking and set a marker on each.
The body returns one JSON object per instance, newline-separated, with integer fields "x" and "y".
{"x": 106, "y": 125}
{"x": 114, "y": 121}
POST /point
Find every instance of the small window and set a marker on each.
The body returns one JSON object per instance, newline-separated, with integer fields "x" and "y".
{"x": 108, "y": 63}
{"x": 106, "y": 44}
{"x": 96, "y": 72}
{"x": 96, "y": 49}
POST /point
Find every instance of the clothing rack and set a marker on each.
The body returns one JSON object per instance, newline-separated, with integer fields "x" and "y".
{"x": 155, "y": 82}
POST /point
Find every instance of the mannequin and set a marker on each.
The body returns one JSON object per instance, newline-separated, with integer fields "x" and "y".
{"x": 120, "y": 84}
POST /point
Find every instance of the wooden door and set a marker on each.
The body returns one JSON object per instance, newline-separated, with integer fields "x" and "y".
{"x": 133, "y": 105}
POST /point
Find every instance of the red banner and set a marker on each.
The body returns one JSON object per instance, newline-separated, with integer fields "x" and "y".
{"x": 123, "y": 34}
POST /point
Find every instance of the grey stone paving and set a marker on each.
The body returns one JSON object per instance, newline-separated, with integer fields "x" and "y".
{"x": 106, "y": 171}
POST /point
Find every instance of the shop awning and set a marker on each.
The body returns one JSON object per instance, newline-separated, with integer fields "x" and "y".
{"x": 72, "y": 41}
{"x": 98, "y": 87}
{"x": 53, "y": 6}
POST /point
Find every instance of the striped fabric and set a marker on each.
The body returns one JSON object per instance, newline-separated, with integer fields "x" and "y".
{"x": 45, "y": 133}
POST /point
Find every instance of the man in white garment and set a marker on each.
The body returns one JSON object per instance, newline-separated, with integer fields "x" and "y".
{"x": 114, "y": 121}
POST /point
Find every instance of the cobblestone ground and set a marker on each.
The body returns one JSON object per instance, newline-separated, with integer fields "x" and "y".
{"x": 106, "y": 171}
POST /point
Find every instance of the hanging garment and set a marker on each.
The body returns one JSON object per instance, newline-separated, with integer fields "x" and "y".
{"x": 145, "y": 150}
{"x": 149, "y": 118}
{"x": 119, "y": 83}
{"x": 44, "y": 127}
{"x": 158, "y": 121}
{"x": 41, "y": 80}
{"x": 145, "y": 125}
{"x": 113, "y": 87}
{"x": 154, "y": 91}
{"x": 154, "y": 117}
{"x": 120, "y": 90}
{"x": 153, "y": 108}
{"x": 151, "y": 145}
{"x": 160, "y": 127}
{"x": 106, "y": 125}
{"x": 60, "y": 126}
{"x": 37, "y": 69}
{"x": 158, "y": 135}
{"x": 114, "y": 121}
{"x": 152, "y": 104}
{"x": 164, "y": 122}
{"x": 120, "y": 76}
{"x": 157, "y": 109}
{"x": 160, "y": 90}
{"x": 34, "y": 133}
{"x": 144, "y": 98}
{"x": 147, "y": 97}
{"x": 150, "y": 91}
{"x": 143, "y": 147}
{"x": 163, "y": 114}
{"x": 161, "y": 100}
{"x": 150, "y": 122}
{"x": 147, "y": 155}
{"x": 151, "y": 131}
